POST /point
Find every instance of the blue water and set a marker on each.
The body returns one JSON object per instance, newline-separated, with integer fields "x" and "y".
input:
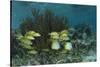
{"x": 75, "y": 13}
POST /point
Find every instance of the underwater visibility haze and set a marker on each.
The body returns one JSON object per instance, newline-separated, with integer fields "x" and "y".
{"x": 52, "y": 33}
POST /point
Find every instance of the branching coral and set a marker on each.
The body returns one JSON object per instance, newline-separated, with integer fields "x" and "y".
{"x": 43, "y": 23}
{"x": 78, "y": 41}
